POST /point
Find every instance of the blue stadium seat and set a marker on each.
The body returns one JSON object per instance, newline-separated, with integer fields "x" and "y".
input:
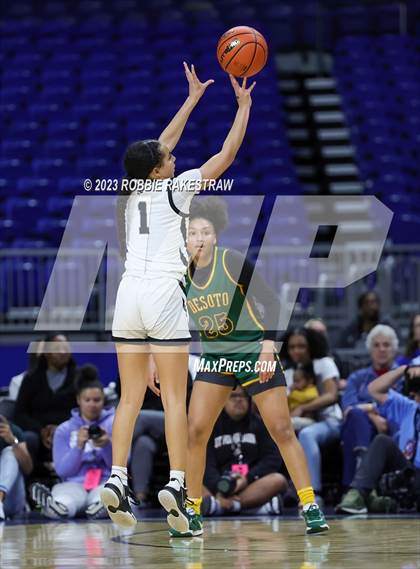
{"x": 51, "y": 167}
{"x": 20, "y": 149}
{"x": 59, "y": 207}
{"x": 24, "y": 210}
{"x": 51, "y": 229}
{"x": 103, "y": 148}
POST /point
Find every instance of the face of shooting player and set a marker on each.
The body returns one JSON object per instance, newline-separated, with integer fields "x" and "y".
{"x": 237, "y": 406}
{"x": 382, "y": 351}
{"x": 167, "y": 167}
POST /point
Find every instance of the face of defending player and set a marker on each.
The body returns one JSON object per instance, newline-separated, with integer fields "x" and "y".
{"x": 167, "y": 167}
{"x": 382, "y": 351}
{"x": 91, "y": 403}
{"x": 201, "y": 240}
{"x": 298, "y": 349}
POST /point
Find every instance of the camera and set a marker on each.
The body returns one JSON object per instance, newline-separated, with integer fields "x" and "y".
{"x": 95, "y": 432}
{"x": 226, "y": 484}
{"x": 403, "y": 486}
{"x": 411, "y": 384}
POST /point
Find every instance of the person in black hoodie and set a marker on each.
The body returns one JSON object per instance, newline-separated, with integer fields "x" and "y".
{"x": 243, "y": 463}
{"x": 46, "y": 398}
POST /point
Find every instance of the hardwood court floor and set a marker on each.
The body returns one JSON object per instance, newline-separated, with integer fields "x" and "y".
{"x": 392, "y": 543}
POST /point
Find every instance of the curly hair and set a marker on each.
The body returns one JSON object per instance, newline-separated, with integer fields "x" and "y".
{"x": 212, "y": 208}
{"x": 317, "y": 343}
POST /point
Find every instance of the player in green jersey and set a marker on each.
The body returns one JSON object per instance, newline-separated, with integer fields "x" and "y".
{"x": 238, "y": 347}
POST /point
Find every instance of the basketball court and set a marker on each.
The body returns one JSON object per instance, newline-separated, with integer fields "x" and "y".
{"x": 380, "y": 542}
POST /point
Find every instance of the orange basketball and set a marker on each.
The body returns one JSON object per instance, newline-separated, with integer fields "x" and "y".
{"x": 242, "y": 51}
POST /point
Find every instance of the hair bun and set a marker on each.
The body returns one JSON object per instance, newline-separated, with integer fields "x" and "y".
{"x": 87, "y": 375}
{"x": 88, "y": 372}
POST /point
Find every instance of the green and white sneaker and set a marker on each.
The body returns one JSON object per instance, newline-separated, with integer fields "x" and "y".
{"x": 314, "y": 520}
{"x": 195, "y": 526}
{"x": 352, "y": 503}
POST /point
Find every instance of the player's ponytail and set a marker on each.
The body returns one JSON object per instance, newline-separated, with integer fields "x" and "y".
{"x": 139, "y": 160}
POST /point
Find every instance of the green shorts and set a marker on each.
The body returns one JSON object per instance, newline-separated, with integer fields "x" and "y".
{"x": 211, "y": 371}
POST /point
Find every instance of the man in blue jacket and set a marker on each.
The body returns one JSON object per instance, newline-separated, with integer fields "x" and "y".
{"x": 385, "y": 455}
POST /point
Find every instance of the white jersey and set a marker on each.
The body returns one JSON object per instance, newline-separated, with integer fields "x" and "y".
{"x": 156, "y": 228}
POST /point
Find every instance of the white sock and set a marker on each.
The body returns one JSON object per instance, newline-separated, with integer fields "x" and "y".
{"x": 176, "y": 479}
{"x": 264, "y": 509}
{"x": 307, "y": 506}
{"x": 120, "y": 471}
{"x": 236, "y": 506}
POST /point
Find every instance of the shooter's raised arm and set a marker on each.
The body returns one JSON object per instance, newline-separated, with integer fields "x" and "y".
{"x": 175, "y": 128}
{"x": 221, "y": 161}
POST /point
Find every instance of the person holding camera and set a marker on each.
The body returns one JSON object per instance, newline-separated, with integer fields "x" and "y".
{"x": 82, "y": 455}
{"x": 384, "y": 455}
{"x": 243, "y": 463}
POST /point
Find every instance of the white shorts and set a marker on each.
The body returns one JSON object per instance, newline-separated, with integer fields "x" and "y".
{"x": 150, "y": 309}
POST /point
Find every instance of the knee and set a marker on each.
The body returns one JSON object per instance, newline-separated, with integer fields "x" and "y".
{"x": 277, "y": 481}
{"x": 354, "y": 415}
{"x": 282, "y": 431}
{"x": 198, "y": 433}
{"x": 306, "y": 437}
{"x": 145, "y": 443}
{"x": 382, "y": 440}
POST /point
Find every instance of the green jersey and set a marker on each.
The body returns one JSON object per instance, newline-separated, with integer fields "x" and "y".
{"x": 227, "y": 322}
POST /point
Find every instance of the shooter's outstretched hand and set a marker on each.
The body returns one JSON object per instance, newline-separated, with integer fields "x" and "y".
{"x": 243, "y": 95}
{"x": 197, "y": 88}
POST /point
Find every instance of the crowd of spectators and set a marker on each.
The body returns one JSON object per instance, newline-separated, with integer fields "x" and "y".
{"x": 55, "y": 447}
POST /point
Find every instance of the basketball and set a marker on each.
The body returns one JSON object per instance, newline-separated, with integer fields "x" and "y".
{"x": 242, "y": 51}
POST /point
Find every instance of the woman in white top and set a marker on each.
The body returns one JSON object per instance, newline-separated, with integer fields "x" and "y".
{"x": 302, "y": 346}
{"x": 150, "y": 312}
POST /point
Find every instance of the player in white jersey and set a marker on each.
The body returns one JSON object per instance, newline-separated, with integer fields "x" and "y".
{"x": 150, "y": 313}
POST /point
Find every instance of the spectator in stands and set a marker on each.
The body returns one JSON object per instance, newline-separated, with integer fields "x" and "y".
{"x": 319, "y": 325}
{"x": 412, "y": 349}
{"x": 243, "y": 463}
{"x": 302, "y": 391}
{"x": 303, "y": 346}
{"x": 16, "y": 381}
{"x": 82, "y": 455}
{"x": 15, "y": 463}
{"x": 45, "y": 399}
{"x": 369, "y": 315}
{"x": 384, "y": 454}
{"x": 362, "y": 421}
